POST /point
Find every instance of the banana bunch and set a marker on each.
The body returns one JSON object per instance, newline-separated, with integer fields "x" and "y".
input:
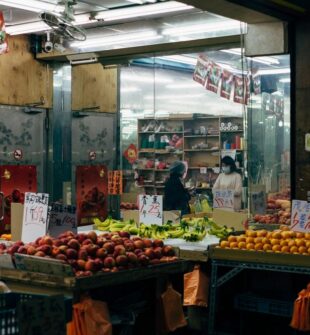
{"x": 195, "y": 235}
{"x": 112, "y": 225}
{"x": 220, "y": 232}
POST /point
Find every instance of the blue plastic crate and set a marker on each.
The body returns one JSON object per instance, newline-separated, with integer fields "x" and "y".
{"x": 8, "y": 314}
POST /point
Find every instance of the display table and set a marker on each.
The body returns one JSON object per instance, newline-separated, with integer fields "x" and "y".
{"x": 237, "y": 261}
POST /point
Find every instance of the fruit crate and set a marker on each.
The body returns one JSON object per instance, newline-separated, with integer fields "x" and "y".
{"x": 251, "y": 303}
{"x": 8, "y": 310}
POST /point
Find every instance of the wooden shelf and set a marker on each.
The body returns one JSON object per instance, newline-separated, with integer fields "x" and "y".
{"x": 146, "y": 151}
{"x": 201, "y": 150}
{"x": 232, "y": 131}
{"x": 165, "y": 152}
{"x": 169, "y": 132}
{"x": 200, "y": 136}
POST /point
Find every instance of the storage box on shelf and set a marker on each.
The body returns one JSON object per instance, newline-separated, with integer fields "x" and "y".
{"x": 197, "y": 140}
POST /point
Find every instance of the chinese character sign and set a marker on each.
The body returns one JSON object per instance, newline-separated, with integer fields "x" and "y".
{"x": 223, "y": 199}
{"x": 151, "y": 209}
{"x": 35, "y": 216}
{"x": 300, "y": 219}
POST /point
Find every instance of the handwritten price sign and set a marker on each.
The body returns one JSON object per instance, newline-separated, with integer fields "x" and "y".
{"x": 223, "y": 199}
{"x": 300, "y": 220}
{"x": 151, "y": 209}
{"x": 35, "y": 216}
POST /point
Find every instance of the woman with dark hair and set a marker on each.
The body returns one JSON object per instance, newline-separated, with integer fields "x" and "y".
{"x": 230, "y": 179}
{"x": 176, "y": 195}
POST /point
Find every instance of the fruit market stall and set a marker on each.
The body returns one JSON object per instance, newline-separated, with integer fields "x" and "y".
{"x": 279, "y": 259}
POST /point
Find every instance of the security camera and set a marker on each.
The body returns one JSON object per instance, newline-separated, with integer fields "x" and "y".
{"x": 48, "y": 45}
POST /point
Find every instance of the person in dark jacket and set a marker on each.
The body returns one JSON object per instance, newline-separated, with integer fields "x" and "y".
{"x": 176, "y": 196}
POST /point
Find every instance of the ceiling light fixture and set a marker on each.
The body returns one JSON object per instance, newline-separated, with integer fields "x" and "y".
{"x": 142, "y": 11}
{"x": 116, "y": 39}
{"x": 285, "y": 80}
{"x": 33, "y": 5}
{"x": 274, "y": 71}
{"x": 27, "y": 28}
{"x": 225, "y": 25}
{"x": 263, "y": 59}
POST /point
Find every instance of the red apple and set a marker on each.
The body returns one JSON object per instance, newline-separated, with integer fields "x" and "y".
{"x": 81, "y": 237}
{"x": 101, "y": 241}
{"x": 71, "y": 253}
{"x": 154, "y": 261}
{"x": 63, "y": 248}
{"x": 132, "y": 257}
{"x": 118, "y": 241}
{"x": 168, "y": 250}
{"x": 158, "y": 243}
{"x": 31, "y": 250}
{"x": 55, "y": 251}
{"x": 46, "y": 248}
{"x": 99, "y": 264}
{"x": 90, "y": 265}
{"x": 158, "y": 252}
{"x": 82, "y": 254}
{"x": 109, "y": 262}
{"x": 61, "y": 257}
{"x": 109, "y": 246}
{"x": 92, "y": 249}
{"x": 92, "y": 236}
{"x": 46, "y": 240}
{"x": 119, "y": 250}
{"x": 87, "y": 241}
{"x": 149, "y": 252}
{"x": 143, "y": 259}
{"x": 58, "y": 243}
{"x": 138, "y": 244}
{"x": 81, "y": 264}
{"x": 121, "y": 260}
{"x": 129, "y": 246}
{"x": 40, "y": 254}
{"x": 101, "y": 253}
{"x": 147, "y": 243}
{"x": 74, "y": 244}
{"x": 138, "y": 252}
{"x": 22, "y": 250}
{"x": 124, "y": 234}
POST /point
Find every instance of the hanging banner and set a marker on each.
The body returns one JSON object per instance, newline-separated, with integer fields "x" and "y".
{"x": 214, "y": 77}
{"x": 3, "y": 36}
{"x": 35, "y": 216}
{"x": 115, "y": 182}
{"x": 227, "y": 84}
{"x": 151, "y": 209}
{"x": 201, "y": 70}
{"x": 241, "y": 91}
{"x": 131, "y": 153}
{"x": 300, "y": 218}
{"x": 91, "y": 193}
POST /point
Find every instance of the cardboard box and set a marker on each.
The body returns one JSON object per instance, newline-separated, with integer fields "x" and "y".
{"x": 17, "y": 212}
{"x": 230, "y": 219}
{"x": 173, "y": 216}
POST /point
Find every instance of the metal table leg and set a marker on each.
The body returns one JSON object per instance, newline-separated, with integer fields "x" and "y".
{"x": 212, "y": 299}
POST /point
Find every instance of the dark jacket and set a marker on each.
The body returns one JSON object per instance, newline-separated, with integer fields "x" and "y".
{"x": 176, "y": 196}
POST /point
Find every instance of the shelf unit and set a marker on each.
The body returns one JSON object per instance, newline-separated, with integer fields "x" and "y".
{"x": 194, "y": 132}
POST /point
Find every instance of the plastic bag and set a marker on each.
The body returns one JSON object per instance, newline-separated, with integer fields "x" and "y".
{"x": 172, "y": 309}
{"x": 301, "y": 312}
{"x": 90, "y": 317}
{"x": 196, "y": 287}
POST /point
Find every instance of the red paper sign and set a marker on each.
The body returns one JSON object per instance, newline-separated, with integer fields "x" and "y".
{"x": 131, "y": 153}
{"x": 241, "y": 92}
{"x": 227, "y": 84}
{"x": 3, "y": 36}
{"x": 15, "y": 181}
{"x": 214, "y": 77}
{"x": 91, "y": 193}
{"x": 201, "y": 70}
{"x": 115, "y": 182}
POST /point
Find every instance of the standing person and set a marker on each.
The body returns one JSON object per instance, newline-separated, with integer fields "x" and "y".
{"x": 230, "y": 179}
{"x": 176, "y": 196}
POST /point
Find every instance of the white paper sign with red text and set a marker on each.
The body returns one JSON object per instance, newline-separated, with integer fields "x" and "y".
{"x": 223, "y": 199}
{"x": 35, "y": 216}
{"x": 300, "y": 219}
{"x": 151, "y": 209}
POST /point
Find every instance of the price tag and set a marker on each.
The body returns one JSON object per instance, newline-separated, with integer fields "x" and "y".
{"x": 61, "y": 219}
{"x": 151, "y": 209}
{"x": 300, "y": 219}
{"x": 203, "y": 170}
{"x": 34, "y": 216}
{"x": 223, "y": 199}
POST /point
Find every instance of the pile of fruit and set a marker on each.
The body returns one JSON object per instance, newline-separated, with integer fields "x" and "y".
{"x": 279, "y": 241}
{"x": 91, "y": 253}
{"x": 190, "y": 229}
{"x": 281, "y": 215}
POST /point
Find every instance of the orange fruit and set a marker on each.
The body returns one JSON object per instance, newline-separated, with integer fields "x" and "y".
{"x": 232, "y": 238}
{"x": 307, "y": 236}
{"x": 285, "y": 249}
{"x": 241, "y": 238}
{"x": 285, "y": 234}
{"x": 233, "y": 245}
{"x": 276, "y": 235}
{"x": 300, "y": 235}
{"x": 250, "y": 240}
{"x": 258, "y": 246}
{"x": 300, "y": 242}
{"x": 242, "y": 245}
{"x": 302, "y": 250}
{"x": 293, "y": 249}
{"x": 258, "y": 240}
{"x": 266, "y": 247}
{"x": 269, "y": 234}
{"x": 283, "y": 227}
{"x": 250, "y": 246}
{"x": 275, "y": 241}
{"x": 293, "y": 234}
{"x": 307, "y": 244}
{"x": 291, "y": 243}
{"x": 276, "y": 248}
{"x": 283, "y": 243}
{"x": 262, "y": 233}
{"x": 224, "y": 244}
{"x": 251, "y": 233}
{"x": 309, "y": 251}
{"x": 265, "y": 240}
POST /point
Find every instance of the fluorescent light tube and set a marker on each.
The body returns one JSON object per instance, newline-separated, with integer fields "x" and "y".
{"x": 33, "y": 5}
{"x": 141, "y": 11}
{"x": 202, "y": 28}
{"x": 27, "y": 28}
{"x": 180, "y": 59}
{"x": 262, "y": 59}
{"x": 117, "y": 39}
{"x": 285, "y": 80}
{"x": 274, "y": 71}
